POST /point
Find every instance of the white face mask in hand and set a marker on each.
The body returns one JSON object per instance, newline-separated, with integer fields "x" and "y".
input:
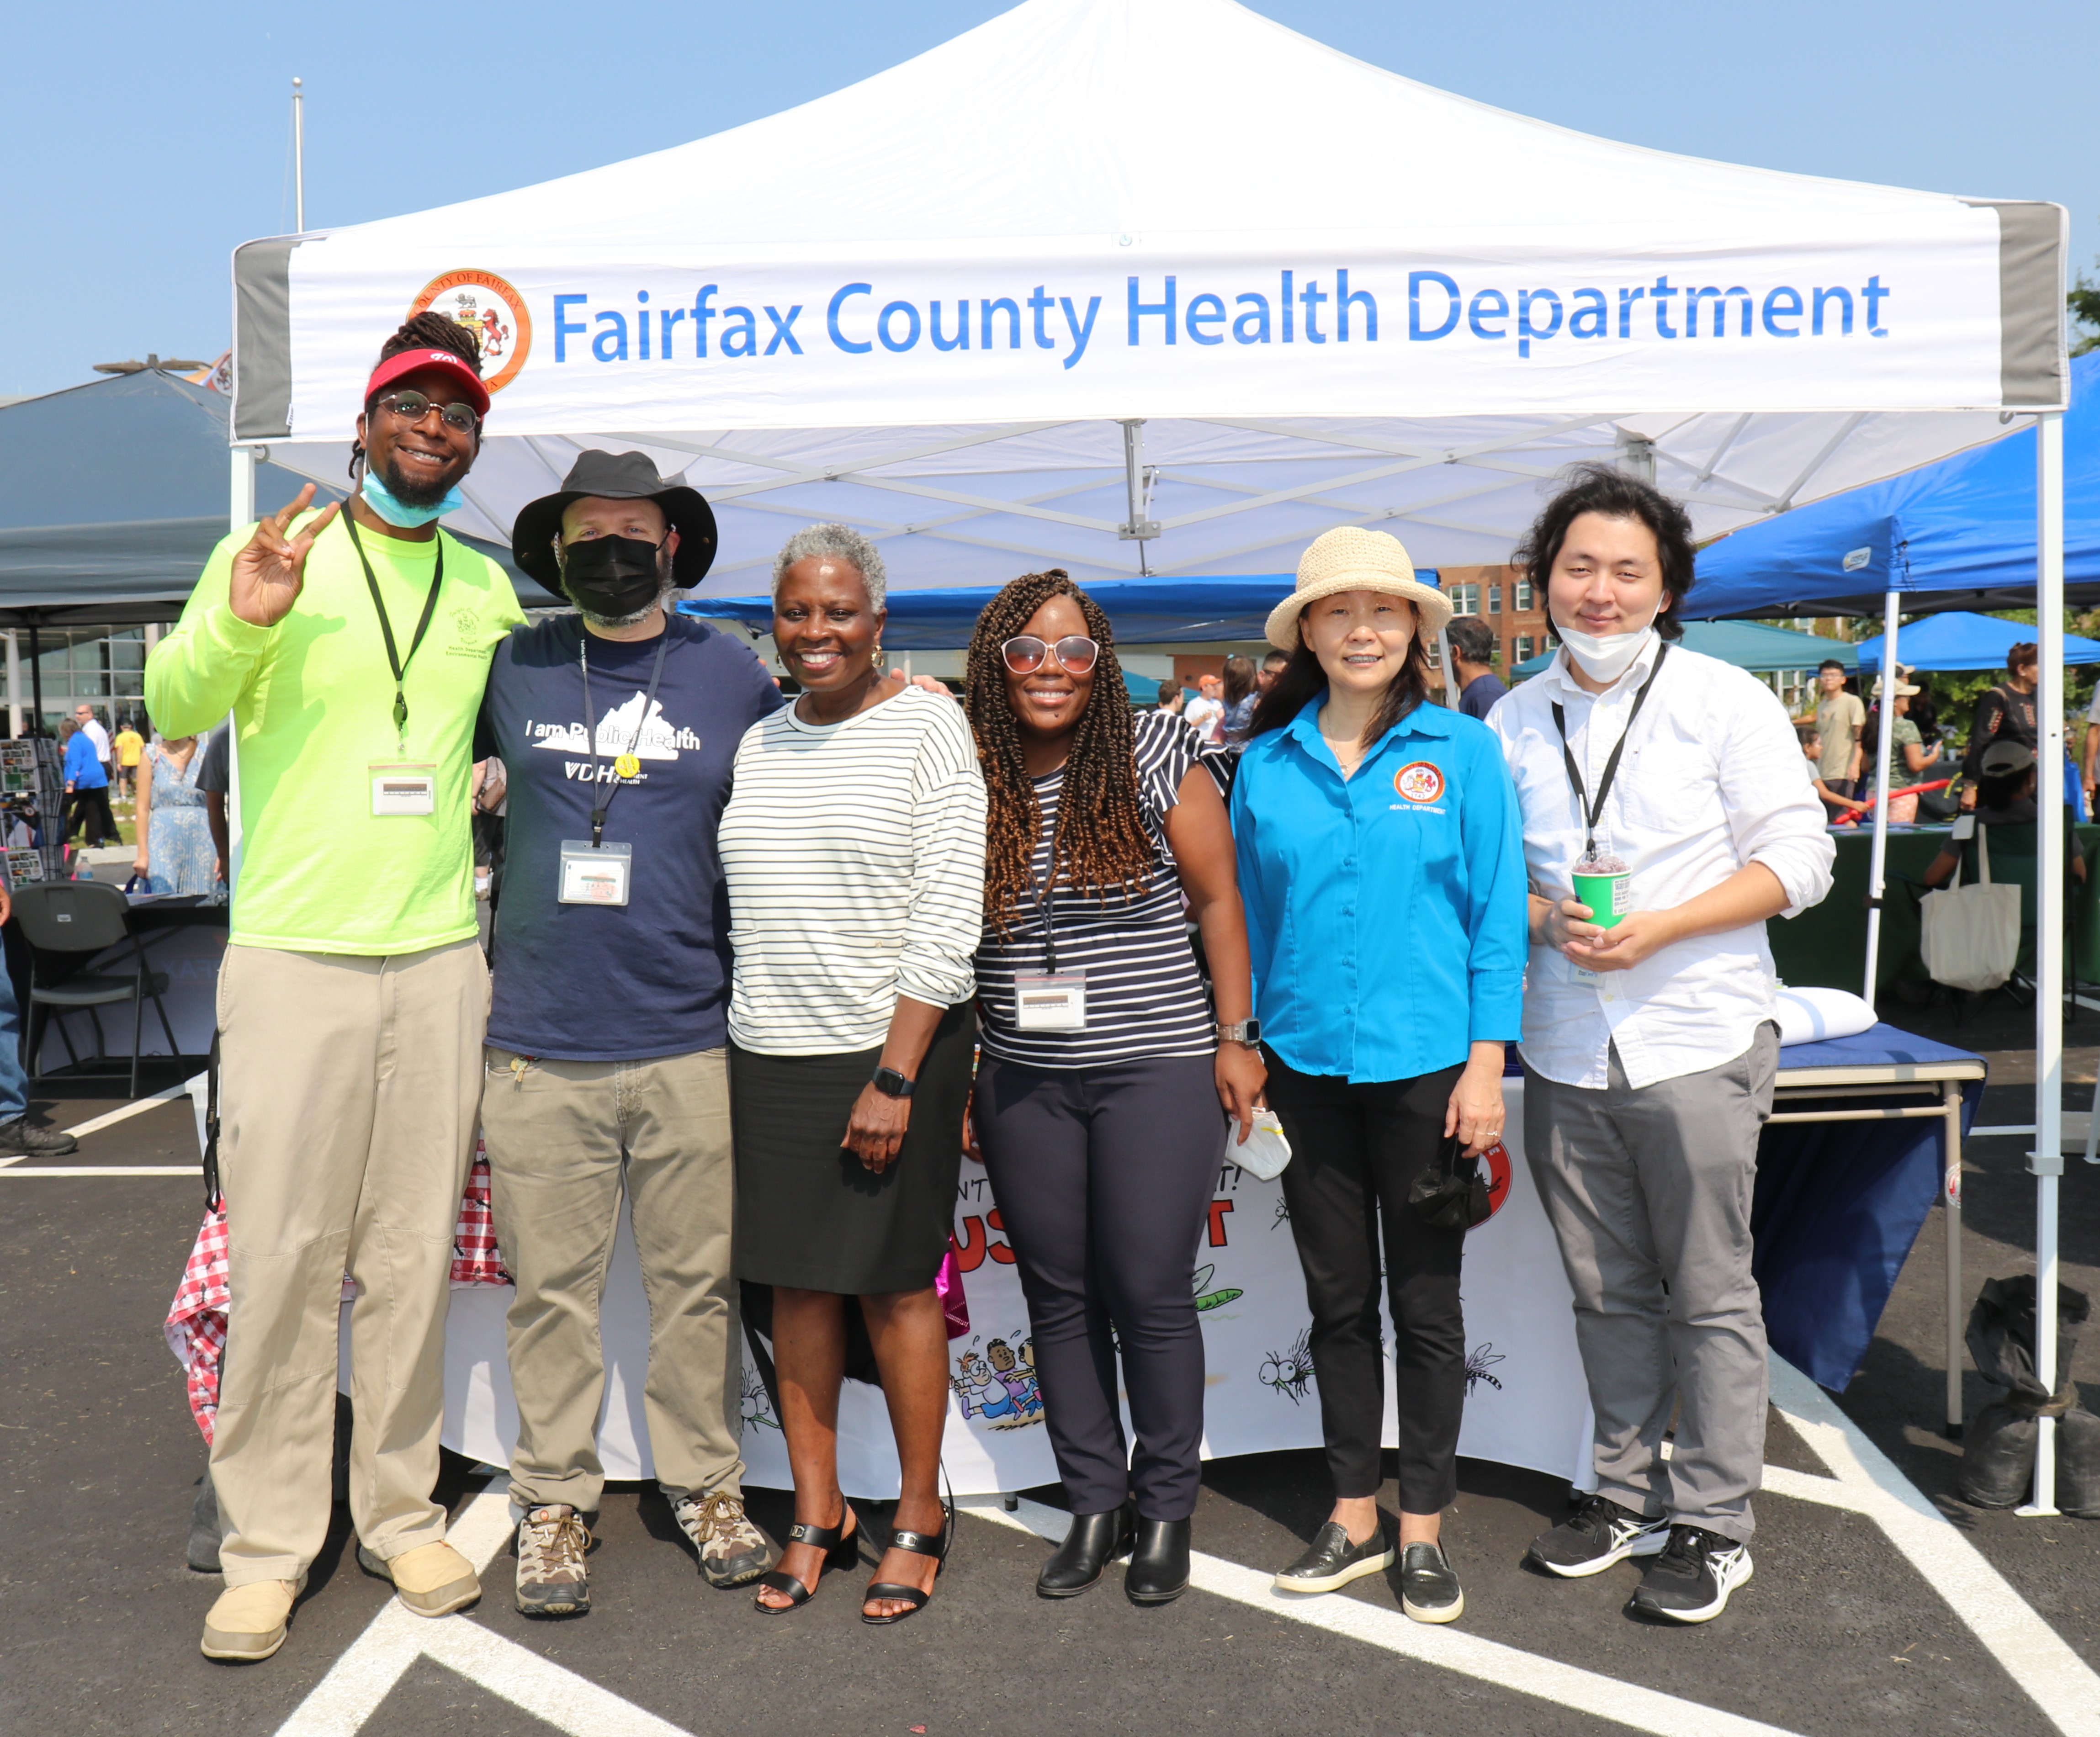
{"x": 1605, "y": 660}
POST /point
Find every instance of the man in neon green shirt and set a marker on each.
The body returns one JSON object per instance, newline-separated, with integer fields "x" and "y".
{"x": 351, "y": 647}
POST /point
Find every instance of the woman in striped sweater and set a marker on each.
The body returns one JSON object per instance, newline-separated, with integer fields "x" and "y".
{"x": 1103, "y": 1097}
{"x": 854, "y": 849}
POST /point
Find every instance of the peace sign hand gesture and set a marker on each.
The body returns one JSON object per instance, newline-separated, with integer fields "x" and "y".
{"x": 269, "y": 573}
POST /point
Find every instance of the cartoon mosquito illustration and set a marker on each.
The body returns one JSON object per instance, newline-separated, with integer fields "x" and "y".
{"x": 1282, "y": 1212}
{"x": 756, "y": 1408}
{"x": 1217, "y": 1299}
{"x": 1479, "y": 1361}
{"x": 1289, "y": 1372}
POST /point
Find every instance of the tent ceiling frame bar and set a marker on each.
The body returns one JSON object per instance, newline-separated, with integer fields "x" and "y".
{"x": 800, "y": 470}
{"x": 1844, "y": 433}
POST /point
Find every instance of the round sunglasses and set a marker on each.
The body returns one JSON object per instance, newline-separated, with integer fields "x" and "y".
{"x": 1074, "y": 654}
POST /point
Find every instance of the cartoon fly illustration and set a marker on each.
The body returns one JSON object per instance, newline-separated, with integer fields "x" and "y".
{"x": 755, "y": 1406}
{"x": 1216, "y": 1299}
{"x": 1289, "y": 1372}
{"x": 1479, "y": 1361}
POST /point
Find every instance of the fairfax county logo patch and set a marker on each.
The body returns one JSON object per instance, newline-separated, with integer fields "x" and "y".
{"x": 494, "y": 311}
{"x": 1419, "y": 780}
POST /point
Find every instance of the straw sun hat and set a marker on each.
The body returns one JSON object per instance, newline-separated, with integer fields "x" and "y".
{"x": 1351, "y": 558}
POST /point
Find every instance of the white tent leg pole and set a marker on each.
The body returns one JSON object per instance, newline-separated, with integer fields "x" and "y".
{"x": 1447, "y": 669}
{"x": 14, "y": 687}
{"x": 1884, "y": 752}
{"x": 2047, "y": 1161}
{"x": 240, "y": 501}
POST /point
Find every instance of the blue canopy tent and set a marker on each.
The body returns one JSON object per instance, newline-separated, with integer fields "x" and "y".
{"x": 1747, "y": 645}
{"x": 1959, "y": 640}
{"x": 1145, "y": 611}
{"x": 1957, "y": 535}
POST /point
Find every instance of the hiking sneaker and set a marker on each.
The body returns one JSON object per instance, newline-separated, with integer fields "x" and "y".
{"x": 1330, "y": 1560}
{"x": 18, "y": 1140}
{"x": 733, "y": 1550}
{"x": 1600, "y": 1533}
{"x": 553, "y": 1578}
{"x": 1429, "y": 1591}
{"x": 247, "y": 1624}
{"x": 1691, "y": 1581}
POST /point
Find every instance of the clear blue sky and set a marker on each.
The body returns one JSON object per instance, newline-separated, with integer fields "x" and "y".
{"x": 144, "y": 141}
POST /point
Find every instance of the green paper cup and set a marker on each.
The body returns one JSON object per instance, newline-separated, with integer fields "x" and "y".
{"x": 1608, "y": 895}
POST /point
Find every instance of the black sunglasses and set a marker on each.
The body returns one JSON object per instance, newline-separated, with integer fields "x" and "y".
{"x": 411, "y": 407}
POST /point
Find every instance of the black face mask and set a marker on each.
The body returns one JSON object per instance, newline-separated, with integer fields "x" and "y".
{"x": 612, "y": 576}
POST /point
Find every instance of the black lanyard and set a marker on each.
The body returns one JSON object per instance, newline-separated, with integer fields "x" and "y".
{"x": 1588, "y": 810}
{"x": 605, "y": 792}
{"x": 395, "y": 661}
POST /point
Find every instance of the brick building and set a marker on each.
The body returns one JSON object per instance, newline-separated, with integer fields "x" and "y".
{"x": 1510, "y": 604}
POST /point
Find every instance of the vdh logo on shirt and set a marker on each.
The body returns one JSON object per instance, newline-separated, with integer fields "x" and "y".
{"x": 617, "y": 734}
{"x": 1419, "y": 782}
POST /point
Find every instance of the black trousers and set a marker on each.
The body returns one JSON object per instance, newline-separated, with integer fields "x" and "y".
{"x": 90, "y": 808}
{"x": 1356, "y": 1150}
{"x": 1105, "y": 1178}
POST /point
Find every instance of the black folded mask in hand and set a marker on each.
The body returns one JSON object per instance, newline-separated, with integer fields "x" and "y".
{"x": 1452, "y": 1193}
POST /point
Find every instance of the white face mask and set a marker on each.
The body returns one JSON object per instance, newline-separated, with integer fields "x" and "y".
{"x": 1605, "y": 660}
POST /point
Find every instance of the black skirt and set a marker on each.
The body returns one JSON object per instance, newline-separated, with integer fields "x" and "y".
{"x": 809, "y": 1215}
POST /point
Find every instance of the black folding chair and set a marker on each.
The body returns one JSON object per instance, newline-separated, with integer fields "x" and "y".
{"x": 83, "y": 917}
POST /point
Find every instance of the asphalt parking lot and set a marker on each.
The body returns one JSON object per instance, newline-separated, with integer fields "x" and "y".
{"x": 1869, "y": 1611}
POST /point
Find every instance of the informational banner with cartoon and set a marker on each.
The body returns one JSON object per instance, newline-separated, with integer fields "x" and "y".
{"x": 1525, "y": 1404}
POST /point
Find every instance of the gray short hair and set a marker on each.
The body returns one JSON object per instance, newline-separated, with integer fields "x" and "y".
{"x": 846, "y": 544}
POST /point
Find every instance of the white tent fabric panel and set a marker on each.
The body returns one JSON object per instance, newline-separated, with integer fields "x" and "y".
{"x": 924, "y": 304}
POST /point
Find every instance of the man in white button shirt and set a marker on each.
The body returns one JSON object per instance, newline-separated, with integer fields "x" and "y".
{"x": 1651, "y": 1041}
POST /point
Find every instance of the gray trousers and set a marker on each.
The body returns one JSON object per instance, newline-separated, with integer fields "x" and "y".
{"x": 1649, "y": 1194}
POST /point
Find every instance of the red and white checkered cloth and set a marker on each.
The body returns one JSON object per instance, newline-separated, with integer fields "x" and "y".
{"x": 196, "y": 1326}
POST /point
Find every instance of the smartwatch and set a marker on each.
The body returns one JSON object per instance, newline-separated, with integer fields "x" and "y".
{"x": 1246, "y": 1031}
{"x": 892, "y": 1084}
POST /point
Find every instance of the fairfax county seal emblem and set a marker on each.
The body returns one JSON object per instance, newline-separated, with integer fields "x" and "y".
{"x": 494, "y": 311}
{"x": 1419, "y": 780}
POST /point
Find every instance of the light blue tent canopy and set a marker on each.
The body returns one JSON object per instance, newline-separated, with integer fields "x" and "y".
{"x": 1958, "y": 640}
{"x": 1752, "y": 645}
{"x": 1957, "y": 535}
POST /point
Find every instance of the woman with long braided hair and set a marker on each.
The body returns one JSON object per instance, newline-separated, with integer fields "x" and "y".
{"x": 1103, "y": 1095}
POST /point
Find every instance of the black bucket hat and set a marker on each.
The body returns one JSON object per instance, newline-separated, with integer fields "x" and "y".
{"x": 615, "y": 476}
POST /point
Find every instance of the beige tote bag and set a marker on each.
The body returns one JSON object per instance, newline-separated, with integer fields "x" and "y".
{"x": 1971, "y": 938}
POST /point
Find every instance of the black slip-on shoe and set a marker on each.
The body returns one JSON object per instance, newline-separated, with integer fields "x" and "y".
{"x": 1330, "y": 1560}
{"x": 1429, "y": 1591}
{"x": 1094, "y": 1542}
{"x": 1691, "y": 1581}
{"x": 1158, "y": 1572}
{"x": 1600, "y": 1533}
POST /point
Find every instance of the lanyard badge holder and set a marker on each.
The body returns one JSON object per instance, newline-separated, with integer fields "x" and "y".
{"x": 403, "y": 788}
{"x": 1603, "y": 883}
{"x": 1049, "y": 1000}
{"x": 594, "y": 872}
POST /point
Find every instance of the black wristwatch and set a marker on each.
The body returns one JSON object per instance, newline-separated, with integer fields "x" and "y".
{"x": 892, "y": 1084}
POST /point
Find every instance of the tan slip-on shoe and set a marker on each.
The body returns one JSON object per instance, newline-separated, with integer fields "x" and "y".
{"x": 248, "y": 1623}
{"x": 433, "y": 1579}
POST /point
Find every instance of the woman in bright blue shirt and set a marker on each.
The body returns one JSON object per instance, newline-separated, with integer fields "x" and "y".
{"x": 1381, "y": 863}
{"x": 87, "y": 792}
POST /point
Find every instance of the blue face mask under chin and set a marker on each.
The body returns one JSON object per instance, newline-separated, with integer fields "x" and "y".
{"x": 397, "y": 512}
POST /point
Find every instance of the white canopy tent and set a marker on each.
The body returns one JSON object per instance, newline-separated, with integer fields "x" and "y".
{"x": 1159, "y": 285}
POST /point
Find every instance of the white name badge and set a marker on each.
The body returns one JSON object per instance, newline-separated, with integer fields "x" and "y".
{"x": 1051, "y": 1003}
{"x": 594, "y": 875}
{"x": 408, "y": 788}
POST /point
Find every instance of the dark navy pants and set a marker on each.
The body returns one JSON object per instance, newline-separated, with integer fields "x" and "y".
{"x": 1104, "y": 1177}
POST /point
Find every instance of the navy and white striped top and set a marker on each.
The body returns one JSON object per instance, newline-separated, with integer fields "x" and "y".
{"x": 1144, "y": 995}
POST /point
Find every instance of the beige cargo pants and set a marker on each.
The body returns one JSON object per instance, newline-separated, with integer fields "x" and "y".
{"x": 564, "y": 1139}
{"x": 349, "y": 1088}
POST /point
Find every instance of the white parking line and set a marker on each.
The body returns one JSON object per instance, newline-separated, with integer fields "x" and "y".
{"x": 103, "y": 1170}
{"x": 96, "y": 1124}
{"x": 1453, "y": 1649}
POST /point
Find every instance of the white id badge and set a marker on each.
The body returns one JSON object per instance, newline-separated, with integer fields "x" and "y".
{"x": 404, "y": 787}
{"x": 1046, "y": 1002}
{"x": 594, "y": 875}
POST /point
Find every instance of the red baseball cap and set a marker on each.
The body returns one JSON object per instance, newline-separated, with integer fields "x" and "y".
{"x": 415, "y": 361}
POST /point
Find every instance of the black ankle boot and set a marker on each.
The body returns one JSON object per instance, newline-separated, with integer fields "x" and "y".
{"x": 1158, "y": 1572}
{"x": 1095, "y": 1541}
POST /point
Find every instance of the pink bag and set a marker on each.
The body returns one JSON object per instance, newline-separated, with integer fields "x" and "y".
{"x": 948, "y": 1282}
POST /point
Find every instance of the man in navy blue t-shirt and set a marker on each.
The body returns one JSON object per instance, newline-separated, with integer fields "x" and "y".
{"x": 609, "y": 1012}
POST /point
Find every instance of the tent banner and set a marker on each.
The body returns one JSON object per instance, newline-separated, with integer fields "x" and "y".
{"x": 1344, "y": 327}
{"x": 1525, "y": 1401}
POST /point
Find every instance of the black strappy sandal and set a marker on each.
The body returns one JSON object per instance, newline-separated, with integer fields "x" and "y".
{"x": 912, "y": 1544}
{"x": 841, "y": 1550}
